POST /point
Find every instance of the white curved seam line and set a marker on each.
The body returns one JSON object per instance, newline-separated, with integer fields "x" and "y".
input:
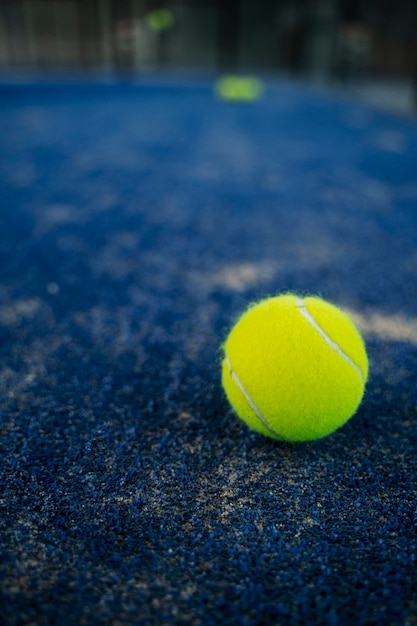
{"x": 310, "y": 319}
{"x": 249, "y": 400}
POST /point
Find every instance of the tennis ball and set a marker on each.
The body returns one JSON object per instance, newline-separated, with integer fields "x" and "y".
{"x": 159, "y": 20}
{"x": 294, "y": 369}
{"x": 239, "y": 88}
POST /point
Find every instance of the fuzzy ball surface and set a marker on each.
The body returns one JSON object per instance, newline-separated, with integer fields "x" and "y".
{"x": 294, "y": 368}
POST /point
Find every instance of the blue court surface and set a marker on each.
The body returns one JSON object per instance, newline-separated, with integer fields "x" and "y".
{"x": 137, "y": 221}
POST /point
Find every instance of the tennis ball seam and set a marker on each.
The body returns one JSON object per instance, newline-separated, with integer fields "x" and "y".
{"x": 302, "y": 308}
{"x": 249, "y": 400}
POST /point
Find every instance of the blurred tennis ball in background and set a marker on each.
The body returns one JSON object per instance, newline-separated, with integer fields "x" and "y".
{"x": 159, "y": 20}
{"x": 239, "y": 88}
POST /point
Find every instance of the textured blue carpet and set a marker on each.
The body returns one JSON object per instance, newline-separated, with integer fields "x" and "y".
{"x": 136, "y": 223}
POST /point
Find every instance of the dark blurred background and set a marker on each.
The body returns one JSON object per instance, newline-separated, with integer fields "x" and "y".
{"x": 368, "y": 46}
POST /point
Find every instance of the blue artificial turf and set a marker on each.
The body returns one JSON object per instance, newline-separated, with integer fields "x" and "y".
{"x": 136, "y": 222}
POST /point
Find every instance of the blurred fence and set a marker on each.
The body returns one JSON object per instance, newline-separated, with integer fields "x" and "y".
{"x": 317, "y": 38}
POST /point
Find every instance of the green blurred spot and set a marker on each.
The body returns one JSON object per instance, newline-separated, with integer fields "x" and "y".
{"x": 159, "y": 20}
{"x": 239, "y": 88}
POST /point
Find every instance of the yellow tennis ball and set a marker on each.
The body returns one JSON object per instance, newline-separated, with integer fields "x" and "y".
{"x": 239, "y": 88}
{"x": 294, "y": 369}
